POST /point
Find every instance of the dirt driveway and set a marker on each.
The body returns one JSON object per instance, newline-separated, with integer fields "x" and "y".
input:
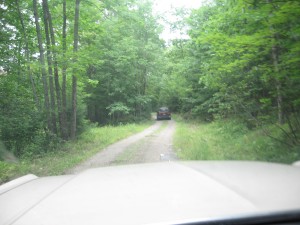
{"x": 152, "y": 145}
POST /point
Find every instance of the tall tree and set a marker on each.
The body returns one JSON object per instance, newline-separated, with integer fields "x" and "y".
{"x": 42, "y": 63}
{"x": 74, "y": 78}
{"x": 50, "y": 67}
{"x": 64, "y": 128}
{"x": 27, "y": 55}
{"x": 62, "y": 120}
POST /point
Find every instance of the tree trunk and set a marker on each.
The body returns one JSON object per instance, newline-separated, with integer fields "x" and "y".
{"x": 35, "y": 97}
{"x": 62, "y": 120}
{"x": 74, "y": 78}
{"x": 275, "y": 57}
{"x": 19, "y": 60}
{"x": 64, "y": 75}
{"x": 42, "y": 62}
{"x": 50, "y": 69}
{"x": 278, "y": 85}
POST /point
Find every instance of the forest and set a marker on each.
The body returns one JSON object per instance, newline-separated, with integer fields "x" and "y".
{"x": 67, "y": 65}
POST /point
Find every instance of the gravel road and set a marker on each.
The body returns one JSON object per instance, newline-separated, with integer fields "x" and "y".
{"x": 151, "y": 145}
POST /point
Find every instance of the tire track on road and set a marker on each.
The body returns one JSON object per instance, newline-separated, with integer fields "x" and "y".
{"x": 153, "y": 142}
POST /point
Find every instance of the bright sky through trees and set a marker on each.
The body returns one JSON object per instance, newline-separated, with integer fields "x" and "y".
{"x": 164, "y": 7}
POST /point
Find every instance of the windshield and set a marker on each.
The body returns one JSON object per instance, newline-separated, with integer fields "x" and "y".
{"x": 79, "y": 76}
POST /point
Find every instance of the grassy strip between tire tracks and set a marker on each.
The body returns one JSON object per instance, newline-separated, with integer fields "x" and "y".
{"x": 133, "y": 150}
{"x": 229, "y": 140}
{"x": 70, "y": 154}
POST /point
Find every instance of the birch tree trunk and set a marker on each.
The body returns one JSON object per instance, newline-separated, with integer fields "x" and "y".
{"x": 64, "y": 74}
{"x": 74, "y": 78}
{"x": 50, "y": 69}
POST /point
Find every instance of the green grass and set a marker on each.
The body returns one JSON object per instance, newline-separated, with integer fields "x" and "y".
{"x": 162, "y": 127}
{"x": 69, "y": 154}
{"x": 229, "y": 140}
{"x": 129, "y": 154}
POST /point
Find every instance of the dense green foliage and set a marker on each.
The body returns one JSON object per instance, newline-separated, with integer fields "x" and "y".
{"x": 53, "y": 84}
{"x": 129, "y": 54}
{"x": 241, "y": 62}
{"x": 65, "y": 64}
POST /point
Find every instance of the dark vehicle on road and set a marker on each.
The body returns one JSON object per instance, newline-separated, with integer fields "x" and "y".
{"x": 163, "y": 113}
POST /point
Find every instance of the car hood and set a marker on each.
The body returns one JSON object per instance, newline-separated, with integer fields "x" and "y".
{"x": 157, "y": 193}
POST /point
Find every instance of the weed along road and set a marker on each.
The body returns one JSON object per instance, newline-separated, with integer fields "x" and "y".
{"x": 152, "y": 145}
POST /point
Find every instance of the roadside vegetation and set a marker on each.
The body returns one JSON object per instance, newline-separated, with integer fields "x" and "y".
{"x": 238, "y": 72}
{"x": 67, "y": 155}
{"x": 231, "y": 140}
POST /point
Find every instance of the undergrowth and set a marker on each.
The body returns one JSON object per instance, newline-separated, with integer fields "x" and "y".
{"x": 69, "y": 154}
{"x": 230, "y": 140}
